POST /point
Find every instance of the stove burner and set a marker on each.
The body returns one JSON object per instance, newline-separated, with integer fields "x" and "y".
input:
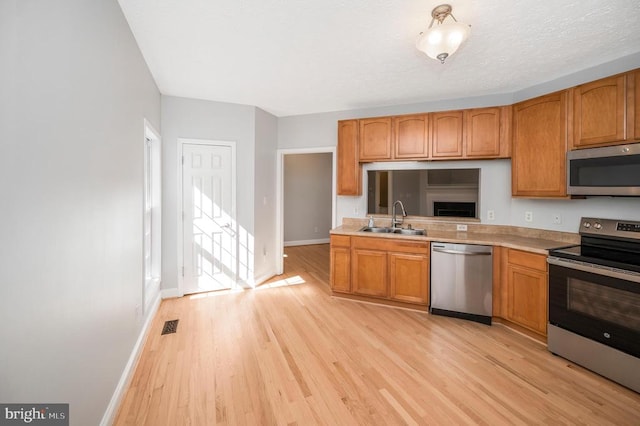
{"x": 606, "y": 242}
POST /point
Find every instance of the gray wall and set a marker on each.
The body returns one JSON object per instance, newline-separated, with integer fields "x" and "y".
{"x": 196, "y": 119}
{"x": 320, "y": 130}
{"x": 74, "y": 91}
{"x": 307, "y": 197}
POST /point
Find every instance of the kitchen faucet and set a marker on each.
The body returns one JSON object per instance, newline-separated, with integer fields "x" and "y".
{"x": 394, "y": 221}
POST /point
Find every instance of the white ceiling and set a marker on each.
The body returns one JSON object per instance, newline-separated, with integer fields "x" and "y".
{"x": 306, "y": 56}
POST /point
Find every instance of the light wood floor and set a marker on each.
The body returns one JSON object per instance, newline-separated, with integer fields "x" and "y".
{"x": 288, "y": 353}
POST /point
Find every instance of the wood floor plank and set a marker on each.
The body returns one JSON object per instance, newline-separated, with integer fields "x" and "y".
{"x": 287, "y": 353}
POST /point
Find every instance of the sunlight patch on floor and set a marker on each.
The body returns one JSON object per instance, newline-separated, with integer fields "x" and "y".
{"x": 295, "y": 280}
{"x": 238, "y": 289}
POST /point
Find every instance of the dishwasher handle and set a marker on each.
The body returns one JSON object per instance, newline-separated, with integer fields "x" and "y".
{"x": 464, "y": 253}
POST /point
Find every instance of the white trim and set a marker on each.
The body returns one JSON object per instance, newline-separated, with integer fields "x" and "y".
{"x": 127, "y": 374}
{"x": 151, "y": 289}
{"x": 179, "y": 292}
{"x": 150, "y": 131}
{"x": 264, "y": 277}
{"x": 280, "y": 194}
{"x": 170, "y": 293}
{"x": 306, "y": 242}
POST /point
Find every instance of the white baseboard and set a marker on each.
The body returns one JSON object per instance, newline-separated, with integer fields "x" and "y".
{"x": 306, "y": 242}
{"x": 170, "y": 293}
{"x": 264, "y": 277}
{"x": 127, "y": 374}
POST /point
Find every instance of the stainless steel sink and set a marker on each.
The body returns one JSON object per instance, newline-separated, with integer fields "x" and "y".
{"x": 386, "y": 230}
{"x": 378, "y": 229}
{"x": 404, "y": 231}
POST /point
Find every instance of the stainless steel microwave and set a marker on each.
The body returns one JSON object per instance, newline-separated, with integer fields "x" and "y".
{"x": 611, "y": 170}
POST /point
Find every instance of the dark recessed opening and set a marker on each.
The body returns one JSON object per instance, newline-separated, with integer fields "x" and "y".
{"x": 456, "y": 209}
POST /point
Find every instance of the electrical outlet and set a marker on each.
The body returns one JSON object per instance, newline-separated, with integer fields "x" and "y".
{"x": 491, "y": 215}
{"x": 528, "y": 216}
{"x": 461, "y": 227}
{"x": 315, "y": 229}
{"x": 356, "y": 211}
{"x": 557, "y": 219}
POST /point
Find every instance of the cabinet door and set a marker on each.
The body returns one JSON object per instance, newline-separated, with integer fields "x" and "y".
{"x": 411, "y": 136}
{"x": 527, "y": 298}
{"x": 375, "y": 139}
{"x": 340, "y": 263}
{"x": 409, "y": 277}
{"x": 369, "y": 272}
{"x": 446, "y": 134}
{"x": 349, "y": 170}
{"x": 599, "y": 112}
{"x": 486, "y": 133}
{"x": 538, "y": 166}
{"x": 633, "y": 105}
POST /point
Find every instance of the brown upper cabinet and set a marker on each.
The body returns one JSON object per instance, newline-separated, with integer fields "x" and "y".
{"x": 605, "y": 111}
{"x": 446, "y": 134}
{"x": 462, "y": 134}
{"x": 633, "y": 104}
{"x": 540, "y": 132}
{"x": 411, "y": 136}
{"x": 349, "y": 170}
{"x": 599, "y": 112}
{"x": 375, "y": 139}
{"x": 487, "y": 132}
{"x": 535, "y": 133}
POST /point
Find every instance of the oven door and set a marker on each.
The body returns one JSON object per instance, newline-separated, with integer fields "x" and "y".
{"x": 596, "y": 303}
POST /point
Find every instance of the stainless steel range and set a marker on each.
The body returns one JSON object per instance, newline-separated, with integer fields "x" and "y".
{"x": 594, "y": 300}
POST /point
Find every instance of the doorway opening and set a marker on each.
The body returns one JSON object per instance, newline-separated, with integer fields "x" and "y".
{"x": 296, "y": 172}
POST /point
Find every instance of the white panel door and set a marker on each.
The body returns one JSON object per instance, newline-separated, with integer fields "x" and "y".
{"x": 210, "y": 248}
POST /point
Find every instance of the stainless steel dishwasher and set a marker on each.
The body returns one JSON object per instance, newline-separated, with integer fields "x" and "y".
{"x": 462, "y": 281}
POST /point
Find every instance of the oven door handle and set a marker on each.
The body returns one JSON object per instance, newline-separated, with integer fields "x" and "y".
{"x": 587, "y": 267}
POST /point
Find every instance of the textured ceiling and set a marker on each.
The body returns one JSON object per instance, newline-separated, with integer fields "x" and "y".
{"x": 306, "y": 56}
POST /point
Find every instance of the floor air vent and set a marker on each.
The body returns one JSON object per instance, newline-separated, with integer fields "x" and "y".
{"x": 170, "y": 327}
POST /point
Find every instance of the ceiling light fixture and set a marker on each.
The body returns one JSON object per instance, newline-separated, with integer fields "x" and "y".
{"x": 443, "y": 40}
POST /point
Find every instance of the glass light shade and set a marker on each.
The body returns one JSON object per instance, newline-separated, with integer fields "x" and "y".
{"x": 443, "y": 40}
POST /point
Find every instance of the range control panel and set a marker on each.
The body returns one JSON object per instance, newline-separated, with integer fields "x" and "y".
{"x": 610, "y": 227}
{"x": 628, "y": 227}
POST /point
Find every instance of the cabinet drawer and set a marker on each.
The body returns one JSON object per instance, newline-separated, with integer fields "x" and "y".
{"x": 340, "y": 241}
{"x": 528, "y": 260}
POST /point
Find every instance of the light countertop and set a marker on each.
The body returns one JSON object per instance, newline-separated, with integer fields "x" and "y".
{"x": 528, "y": 239}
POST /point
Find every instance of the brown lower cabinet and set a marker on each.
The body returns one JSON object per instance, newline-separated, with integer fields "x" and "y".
{"x": 397, "y": 270}
{"x": 520, "y": 288}
{"x": 382, "y": 268}
{"x": 340, "y": 263}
